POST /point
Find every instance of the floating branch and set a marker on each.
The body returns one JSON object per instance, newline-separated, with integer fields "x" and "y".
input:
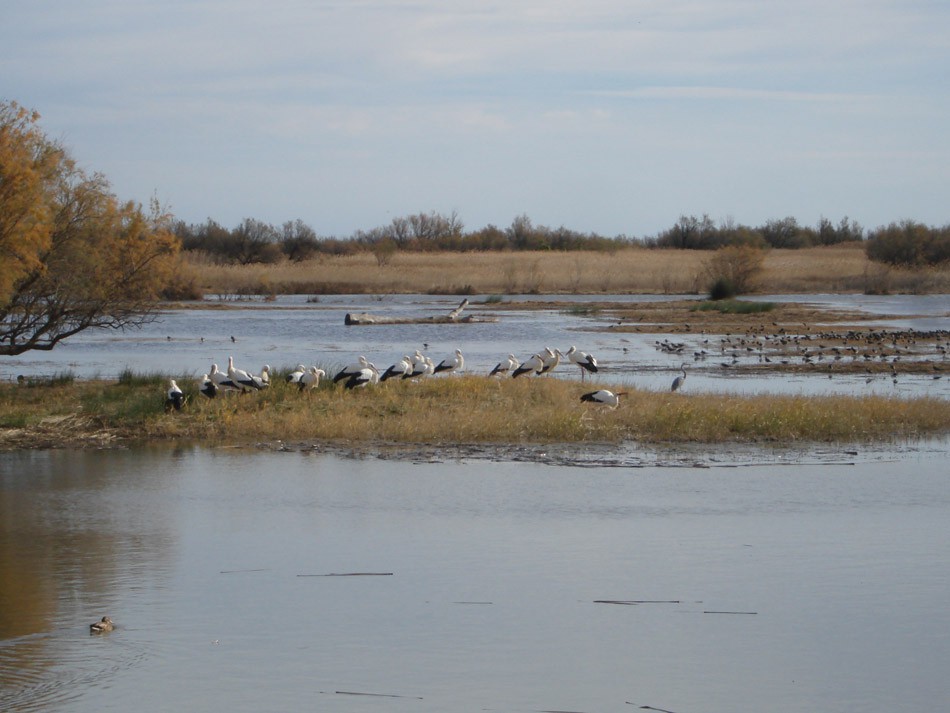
{"x": 377, "y": 695}
{"x": 730, "y": 612}
{"x": 637, "y": 601}
{"x": 649, "y": 708}
{"x": 241, "y": 571}
{"x": 349, "y": 574}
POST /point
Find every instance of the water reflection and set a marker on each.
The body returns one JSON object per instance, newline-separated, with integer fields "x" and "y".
{"x": 496, "y": 566}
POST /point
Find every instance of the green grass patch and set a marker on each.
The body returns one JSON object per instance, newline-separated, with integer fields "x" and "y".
{"x": 59, "y": 378}
{"x": 582, "y": 311}
{"x": 130, "y": 377}
{"x": 733, "y": 307}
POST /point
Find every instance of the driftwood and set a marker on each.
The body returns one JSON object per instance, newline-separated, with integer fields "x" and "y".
{"x": 636, "y": 601}
{"x": 350, "y": 574}
{"x": 453, "y": 317}
{"x": 375, "y": 695}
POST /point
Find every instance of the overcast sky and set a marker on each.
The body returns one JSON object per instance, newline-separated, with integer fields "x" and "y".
{"x": 609, "y": 116}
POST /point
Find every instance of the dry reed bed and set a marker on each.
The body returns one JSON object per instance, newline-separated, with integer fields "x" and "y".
{"x": 457, "y": 410}
{"x": 628, "y": 270}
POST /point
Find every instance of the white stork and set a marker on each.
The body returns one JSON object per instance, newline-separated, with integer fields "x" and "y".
{"x": 678, "y": 381}
{"x": 368, "y": 375}
{"x": 347, "y": 371}
{"x": 534, "y": 363}
{"x": 609, "y": 398}
{"x": 399, "y": 369}
{"x": 174, "y": 398}
{"x": 454, "y": 314}
{"x": 419, "y": 366}
{"x": 585, "y": 361}
{"x": 452, "y": 363}
{"x": 263, "y": 379}
{"x": 310, "y": 379}
{"x": 294, "y": 376}
{"x": 221, "y": 380}
{"x": 241, "y": 377}
{"x": 550, "y": 360}
{"x": 503, "y": 368}
{"x": 207, "y": 387}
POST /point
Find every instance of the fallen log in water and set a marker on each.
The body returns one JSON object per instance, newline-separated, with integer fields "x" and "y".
{"x": 453, "y": 317}
{"x": 353, "y": 319}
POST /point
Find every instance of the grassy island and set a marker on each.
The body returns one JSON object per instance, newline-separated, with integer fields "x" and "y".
{"x": 453, "y": 410}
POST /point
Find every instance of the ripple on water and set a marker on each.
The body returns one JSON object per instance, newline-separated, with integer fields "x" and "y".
{"x": 41, "y": 672}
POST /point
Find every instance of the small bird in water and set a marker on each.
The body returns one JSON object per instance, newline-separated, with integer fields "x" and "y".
{"x": 103, "y": 626}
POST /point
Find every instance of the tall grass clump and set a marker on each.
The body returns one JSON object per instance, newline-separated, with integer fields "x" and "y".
{"x": 130, "y": 377}
{"x": 59, "y": 378}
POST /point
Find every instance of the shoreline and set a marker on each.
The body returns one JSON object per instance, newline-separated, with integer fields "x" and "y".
{"x": 473, "y": 412}
{"x": 782, "y": 338}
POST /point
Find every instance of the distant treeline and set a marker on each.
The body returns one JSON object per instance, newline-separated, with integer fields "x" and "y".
{"x": 253, "y": 241}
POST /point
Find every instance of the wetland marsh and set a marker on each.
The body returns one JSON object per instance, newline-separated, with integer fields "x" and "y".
{"x": 785, "y": 573}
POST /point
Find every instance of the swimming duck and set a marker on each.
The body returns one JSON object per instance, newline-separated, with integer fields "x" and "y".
{"x": 103, "y": 626}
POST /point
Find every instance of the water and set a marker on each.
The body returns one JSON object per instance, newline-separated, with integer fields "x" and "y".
{"x": 291, "y": 331}
{"x": 828, "y": 575}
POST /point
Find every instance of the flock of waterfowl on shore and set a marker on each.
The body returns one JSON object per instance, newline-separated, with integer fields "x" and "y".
{"x": 870, "y": 351}
{"x": 415, "y": 366}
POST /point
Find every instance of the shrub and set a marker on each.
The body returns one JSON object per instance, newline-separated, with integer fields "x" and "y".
{"x": 722, "y": 289}
{"x": 910, "y": 244}
{"x": 735, "y": 266}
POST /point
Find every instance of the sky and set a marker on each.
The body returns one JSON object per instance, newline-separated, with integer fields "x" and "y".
{"x": 608, "y": 116}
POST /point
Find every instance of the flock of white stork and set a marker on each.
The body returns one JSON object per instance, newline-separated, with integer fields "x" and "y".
{"x": 415, "y": 366}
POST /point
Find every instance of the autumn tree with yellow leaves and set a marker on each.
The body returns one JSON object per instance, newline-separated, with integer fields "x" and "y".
{"x": 72, "y": 256}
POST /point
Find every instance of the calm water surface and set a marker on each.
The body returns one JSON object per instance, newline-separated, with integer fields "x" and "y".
{"x": 820, "y": 586}
{"x": 291, "y": 331}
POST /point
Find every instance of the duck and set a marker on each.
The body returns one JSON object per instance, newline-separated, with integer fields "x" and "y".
{"x": 103, "y": 626}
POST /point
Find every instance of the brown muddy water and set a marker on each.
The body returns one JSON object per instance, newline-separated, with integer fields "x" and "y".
{"x": 596, "y": 580}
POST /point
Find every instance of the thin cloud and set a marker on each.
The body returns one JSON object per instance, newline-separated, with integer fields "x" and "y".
{"x": 549, "y": 107}
{"x": 705, "y": 93}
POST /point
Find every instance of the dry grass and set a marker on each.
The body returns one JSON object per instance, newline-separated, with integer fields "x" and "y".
{"x": 629, "y": 270}
{"x": 453, "y": 411}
